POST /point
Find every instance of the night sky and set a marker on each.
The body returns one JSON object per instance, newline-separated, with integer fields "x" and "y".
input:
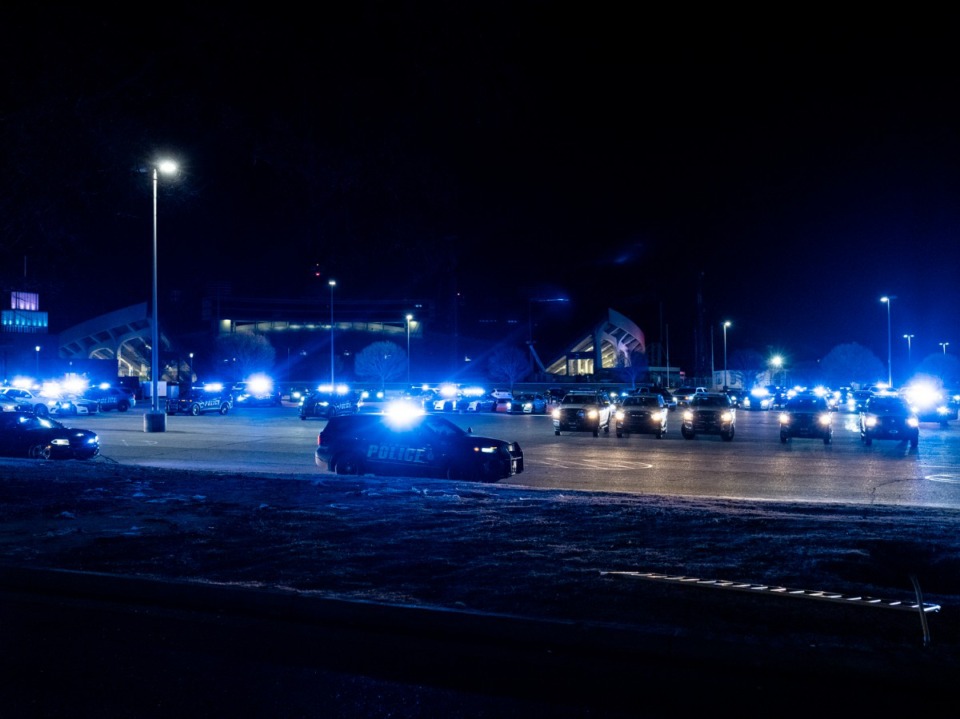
{"x": 789, "y": 172}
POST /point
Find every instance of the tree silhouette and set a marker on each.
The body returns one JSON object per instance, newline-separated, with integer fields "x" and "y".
{"x": 245, "y": 354}
{"x": 382, "y": 361}
{"x": 509, "y": 365}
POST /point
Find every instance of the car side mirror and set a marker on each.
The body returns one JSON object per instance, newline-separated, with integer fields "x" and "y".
{"x": 469, "y": 430}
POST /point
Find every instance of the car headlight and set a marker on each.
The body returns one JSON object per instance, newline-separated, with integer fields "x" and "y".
{"x": 825, "y": 419}
{"x": 870, "y": 421}
{"x": 784, "y": 418}
{"x": 913, "y": 422}
{"x": 687, "y": 415}
{"x": 620, "y": 414}
{"x": 592, "y": 414}
{"x": 556, "y": 414}
{"x": 726, "y": 417}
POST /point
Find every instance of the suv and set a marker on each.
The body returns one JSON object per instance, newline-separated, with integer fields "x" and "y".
{"x": 325, "y": 405}
{"x": 581, "y": 411}
{"x": 686, "y": 393}
{"x": 889, "y": 417}
{"x": 642, "y": 413}
{"x": 424, "y": 445}
{"x": 807, "y": 416}
{"x": 200, "y": 400}
{"x": 709, "y": 413}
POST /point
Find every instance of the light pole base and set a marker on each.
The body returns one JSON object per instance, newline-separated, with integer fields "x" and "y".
{"x": 155, "y": 421}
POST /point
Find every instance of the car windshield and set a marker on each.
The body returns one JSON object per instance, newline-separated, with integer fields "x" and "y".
{"x": 651, "y": 401}
{"x": 801, "y": 404}
{"x": 707, "y": 401}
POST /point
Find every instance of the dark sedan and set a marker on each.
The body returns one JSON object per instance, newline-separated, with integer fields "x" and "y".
{"x": 889, "y": 417}
{"x": 420, "y": 446}
{"x": 23, "y": 434}
{"x": 642, "y": 414}
{"x": 808, "y": 417}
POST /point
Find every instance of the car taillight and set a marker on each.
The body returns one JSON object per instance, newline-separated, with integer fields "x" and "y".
{"x": 319, "y": 439}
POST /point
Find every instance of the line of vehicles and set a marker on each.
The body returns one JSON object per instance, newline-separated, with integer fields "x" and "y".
{"x": 30, "y": 428}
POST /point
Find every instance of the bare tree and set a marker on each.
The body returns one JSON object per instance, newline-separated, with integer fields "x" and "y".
{"x": 246, "y": 353}
{"x": 509, "y": 365}
{"x": 383, "y": 361}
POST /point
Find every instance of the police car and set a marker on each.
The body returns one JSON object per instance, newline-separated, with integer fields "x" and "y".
{"x": 323, "y": 404}
{"x": 421, "y": 445}
{"x": 200, "y": 400}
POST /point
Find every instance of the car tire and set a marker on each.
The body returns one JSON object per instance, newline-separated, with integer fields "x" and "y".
{"x": 867, "y": 441}
{"x": 41, "y": 410}
{"x": 224, "y": 408}
{"x": 686, "y": 433}
{"x": 660, "y": 434}
{"x": 828, "y": 439}
{"x": 303, "y": 417}
{"x": 349, "y": 464}
{"x": 783, "y": 438}
{"x": 39, "y": 451}
{"x": 596, "y": 432}
{"x": 556, "y": 432}
{"x": 727, "y": 436}
{"x": 123, "y": 406}
{"x": 619, "y": 435}
{"x": 195, "y": 410}
{"x": 914, "y": 442}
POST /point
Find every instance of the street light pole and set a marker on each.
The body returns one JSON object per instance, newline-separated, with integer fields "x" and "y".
{"x": 943, "y": 346}
{"x": 726, "y": 378}
{"x": 888, "y": 299}
{"x": 332, "y": 283}
{"x": 37, "y": 352}
{"x": 409, "y": 317}
{"x": 909, "y": 339}
{"x": 155, "y": 420}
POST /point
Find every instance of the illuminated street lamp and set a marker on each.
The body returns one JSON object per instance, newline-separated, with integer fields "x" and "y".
{"x": 37, "y": 352}
{"x": 155, "y": 419}
{"x": 409, "y": 318}
{"x": 888, "y": 299}
{"x": 332, "y": 283}
{"x": 777, "y": 362}
{"x": 726, "y": 378}
{"x": 909, "y": 339}
{"x": 943, "y": 345}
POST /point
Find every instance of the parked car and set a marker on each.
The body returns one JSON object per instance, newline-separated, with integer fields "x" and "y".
{"x": 256, "y": 392}
{"x": 889, "y": 417}
{"x": 709, "y": 413}
{"x": 487, "y": 403}
{"x": 686, "y": 393}
{"x": 324, "y": 404}
{"x": 758, "y": 398}
{"x": 642, "y": 414}
{"x": 528, "y": 404}
{"x": 16, "y": 399}
{"x": 109, "y": 397}
{"x": 582, "y": 411}
{"x": 669, "y": 399}
{"x": 201, "y": 399}
{"x": 24, "y": 434}
{"x": 72, "y": 406}
{"x": 806, "y": 416}
{"x": 423, "y": 446}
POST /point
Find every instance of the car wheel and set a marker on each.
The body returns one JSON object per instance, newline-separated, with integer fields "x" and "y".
{"x": 123, "y": 406}
{"x": 727, "y": 436}
{"x": 349, "y": 464}
{"x": 596, "y": 432}
{"x": 195, "y": 410}
{"x": 660, "y": 434}
{"x": 556, "y": 432}
{"x": 686, "y": 433}
{"x": 914, "y": 442}
{"x": 224, "y": 408}
{"x": 41, "y": 410}
{"x": 828, "y": 438}
{"x": 39, "y": 451}
{"x": 619, "y": 435}
{"x": 783, "y": 438}
{"x": 868, "y": 441}
{"x": 303, "y": 417}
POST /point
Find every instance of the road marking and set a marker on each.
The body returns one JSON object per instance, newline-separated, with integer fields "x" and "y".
{"x": 949, "y": 478}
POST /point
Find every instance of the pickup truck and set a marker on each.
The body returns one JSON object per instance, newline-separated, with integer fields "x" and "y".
{"x": 581, "y": 411}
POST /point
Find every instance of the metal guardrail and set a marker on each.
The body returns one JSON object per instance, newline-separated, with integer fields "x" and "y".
{"x": 918, "y": 606}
